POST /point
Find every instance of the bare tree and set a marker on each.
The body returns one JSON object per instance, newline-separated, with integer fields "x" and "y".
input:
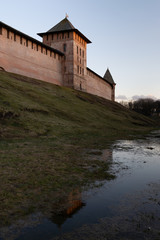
{"x": 145, "y": 106}
{"x": 157, "y": 107}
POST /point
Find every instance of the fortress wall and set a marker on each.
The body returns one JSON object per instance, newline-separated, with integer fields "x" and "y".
{"x": 22, "y": 56}
{"x": 65, "y": 65}
{"x": 97, "y": 86}
{"x": 79, "y": 82}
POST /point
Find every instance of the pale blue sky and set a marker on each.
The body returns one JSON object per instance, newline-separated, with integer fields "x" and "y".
{"x": 125, "y": 36}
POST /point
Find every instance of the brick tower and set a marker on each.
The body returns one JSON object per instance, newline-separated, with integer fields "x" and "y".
{"x": 69, "y": 40}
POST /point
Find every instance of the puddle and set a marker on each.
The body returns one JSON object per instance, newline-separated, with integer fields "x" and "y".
{"x": 127, "y": 207}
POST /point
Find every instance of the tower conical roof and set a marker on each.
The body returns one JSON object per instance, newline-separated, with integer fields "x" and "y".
{"x": 108, "y": 77}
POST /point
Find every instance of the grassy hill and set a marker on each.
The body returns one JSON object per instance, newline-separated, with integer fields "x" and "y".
{"x": 46, "y": 132}
{"x": 34, "y": 108}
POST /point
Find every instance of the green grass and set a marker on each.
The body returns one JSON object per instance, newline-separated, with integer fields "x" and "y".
{"x": 31, "y": 108}
{"x": 44, "y": 131}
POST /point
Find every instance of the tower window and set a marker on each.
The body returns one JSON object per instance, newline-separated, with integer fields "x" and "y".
{"x": 14, "y": 37}
{"x": 68, "y": 34}
{"x": 64, "y": 47}
{"x": 80, "y": 51}
{"x": 0, "y": 30}
{"x": 83, "y": 53}
{"x": 47, "y": 37}
{"x": 52, "y": 36}
{"x": 77, "y": 69}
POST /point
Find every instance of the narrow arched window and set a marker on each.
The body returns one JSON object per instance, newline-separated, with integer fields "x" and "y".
{"x": 77, "y": 69}
{"x": 64, "y": 47}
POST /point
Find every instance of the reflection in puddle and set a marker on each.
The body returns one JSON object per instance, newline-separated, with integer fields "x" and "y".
{"x": 36, "y": 226}
{"x": 127, "y": 207}
{"x": 74, "y": 203}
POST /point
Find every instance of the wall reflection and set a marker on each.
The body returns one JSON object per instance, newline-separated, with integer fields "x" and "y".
{"x": 74, "y": 203}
